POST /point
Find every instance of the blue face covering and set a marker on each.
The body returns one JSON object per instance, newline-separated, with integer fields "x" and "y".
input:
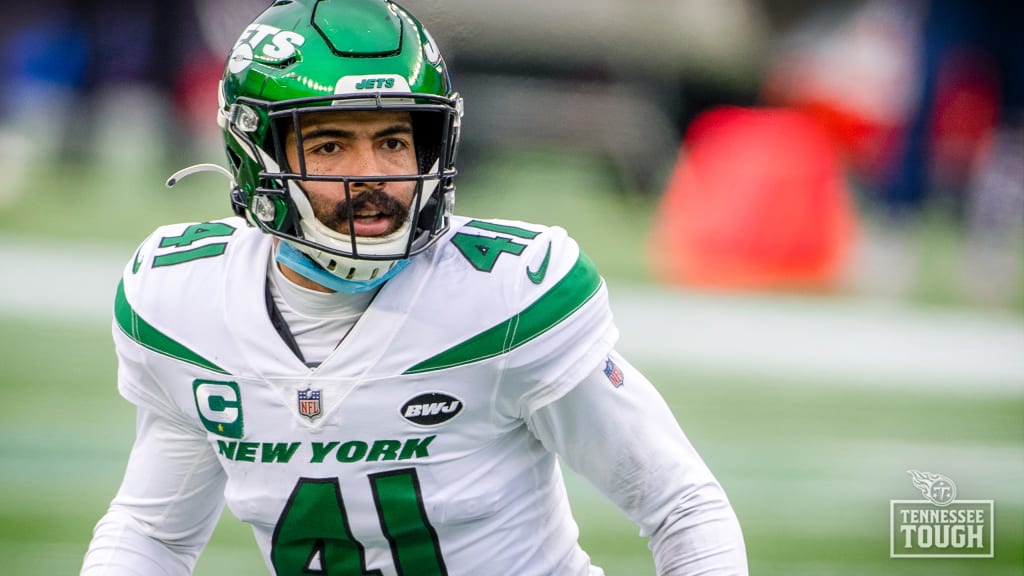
{"x": 305, "y": 266}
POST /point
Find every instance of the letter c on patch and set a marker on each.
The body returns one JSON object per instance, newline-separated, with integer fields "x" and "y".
{"x": 220, "y": 407}
{"x": 217, "y": 402}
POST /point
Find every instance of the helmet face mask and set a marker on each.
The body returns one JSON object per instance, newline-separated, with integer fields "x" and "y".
{"x": 328, "y": 65}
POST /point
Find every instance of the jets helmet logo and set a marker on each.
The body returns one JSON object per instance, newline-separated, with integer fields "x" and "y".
{"x": 265, "y": 44}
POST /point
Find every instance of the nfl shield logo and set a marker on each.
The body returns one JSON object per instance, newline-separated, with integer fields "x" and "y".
{"x": 614, "y": 373}
{"x": 309, "y": 403}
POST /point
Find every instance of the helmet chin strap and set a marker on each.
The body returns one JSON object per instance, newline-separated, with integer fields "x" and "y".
{"x": 303, "y": 265}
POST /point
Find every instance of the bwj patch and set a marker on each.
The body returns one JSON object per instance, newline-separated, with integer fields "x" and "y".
{"x": 614, "y": 373}
{"x": 309, "y": 403}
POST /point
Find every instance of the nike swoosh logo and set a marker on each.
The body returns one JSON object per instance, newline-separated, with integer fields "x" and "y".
{"x": 137, "y": 263}
{"x": 538, "y": 276}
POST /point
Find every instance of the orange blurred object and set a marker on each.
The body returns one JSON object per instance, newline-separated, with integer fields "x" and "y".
{"x": 757, "y": 200}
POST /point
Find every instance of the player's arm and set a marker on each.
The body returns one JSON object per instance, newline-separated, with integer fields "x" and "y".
{"x": 172, "y": 493}
{"x": 167, "y": 507}
{"x": 626, "y": 441}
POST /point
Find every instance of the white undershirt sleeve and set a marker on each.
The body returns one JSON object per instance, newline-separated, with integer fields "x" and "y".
{"x": 167, "y": 507}
{"x": 626, "y": 442}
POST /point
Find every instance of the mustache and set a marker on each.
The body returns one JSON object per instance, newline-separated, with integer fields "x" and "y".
{"x": 380, "y": 200}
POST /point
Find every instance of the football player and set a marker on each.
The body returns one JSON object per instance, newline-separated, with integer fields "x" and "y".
{"x": 376, "y": 385}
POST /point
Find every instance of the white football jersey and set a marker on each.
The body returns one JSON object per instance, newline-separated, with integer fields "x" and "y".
{"x": 404, "y": 452}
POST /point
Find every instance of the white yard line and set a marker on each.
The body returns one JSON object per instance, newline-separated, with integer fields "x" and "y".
{"x": 870, "y": 342}
{"x": 53, "y": 280}
{"x": 835, "y": 340}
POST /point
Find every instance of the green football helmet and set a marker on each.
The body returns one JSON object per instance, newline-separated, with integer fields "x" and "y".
{"x": 310, "y": 56}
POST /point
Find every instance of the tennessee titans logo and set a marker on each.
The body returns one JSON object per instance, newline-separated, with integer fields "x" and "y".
{"x": 614, "y": 373}
{"x": 309, "y": 403}
{"x": 939, "y": 489}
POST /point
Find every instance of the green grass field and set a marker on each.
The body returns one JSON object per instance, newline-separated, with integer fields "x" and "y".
{"x": 810, "y": 462}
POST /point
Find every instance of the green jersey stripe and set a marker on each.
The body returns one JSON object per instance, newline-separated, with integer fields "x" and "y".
{"x": 145, "y": 334}
{"x": 570, "y": 293}
{"x": 503, "y": 229}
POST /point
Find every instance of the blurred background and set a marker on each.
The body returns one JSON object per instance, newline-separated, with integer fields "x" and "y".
{"x": 810, "y": 215}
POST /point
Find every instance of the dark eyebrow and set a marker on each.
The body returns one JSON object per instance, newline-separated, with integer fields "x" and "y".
{"x": 328, "y": 133}
{"x": 394, "y": 130}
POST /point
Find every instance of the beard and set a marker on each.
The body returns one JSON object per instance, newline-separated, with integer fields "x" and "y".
{"x": 336, "y": 217}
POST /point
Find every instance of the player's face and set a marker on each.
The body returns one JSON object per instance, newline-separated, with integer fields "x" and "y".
{"x": 357, "y": 144}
